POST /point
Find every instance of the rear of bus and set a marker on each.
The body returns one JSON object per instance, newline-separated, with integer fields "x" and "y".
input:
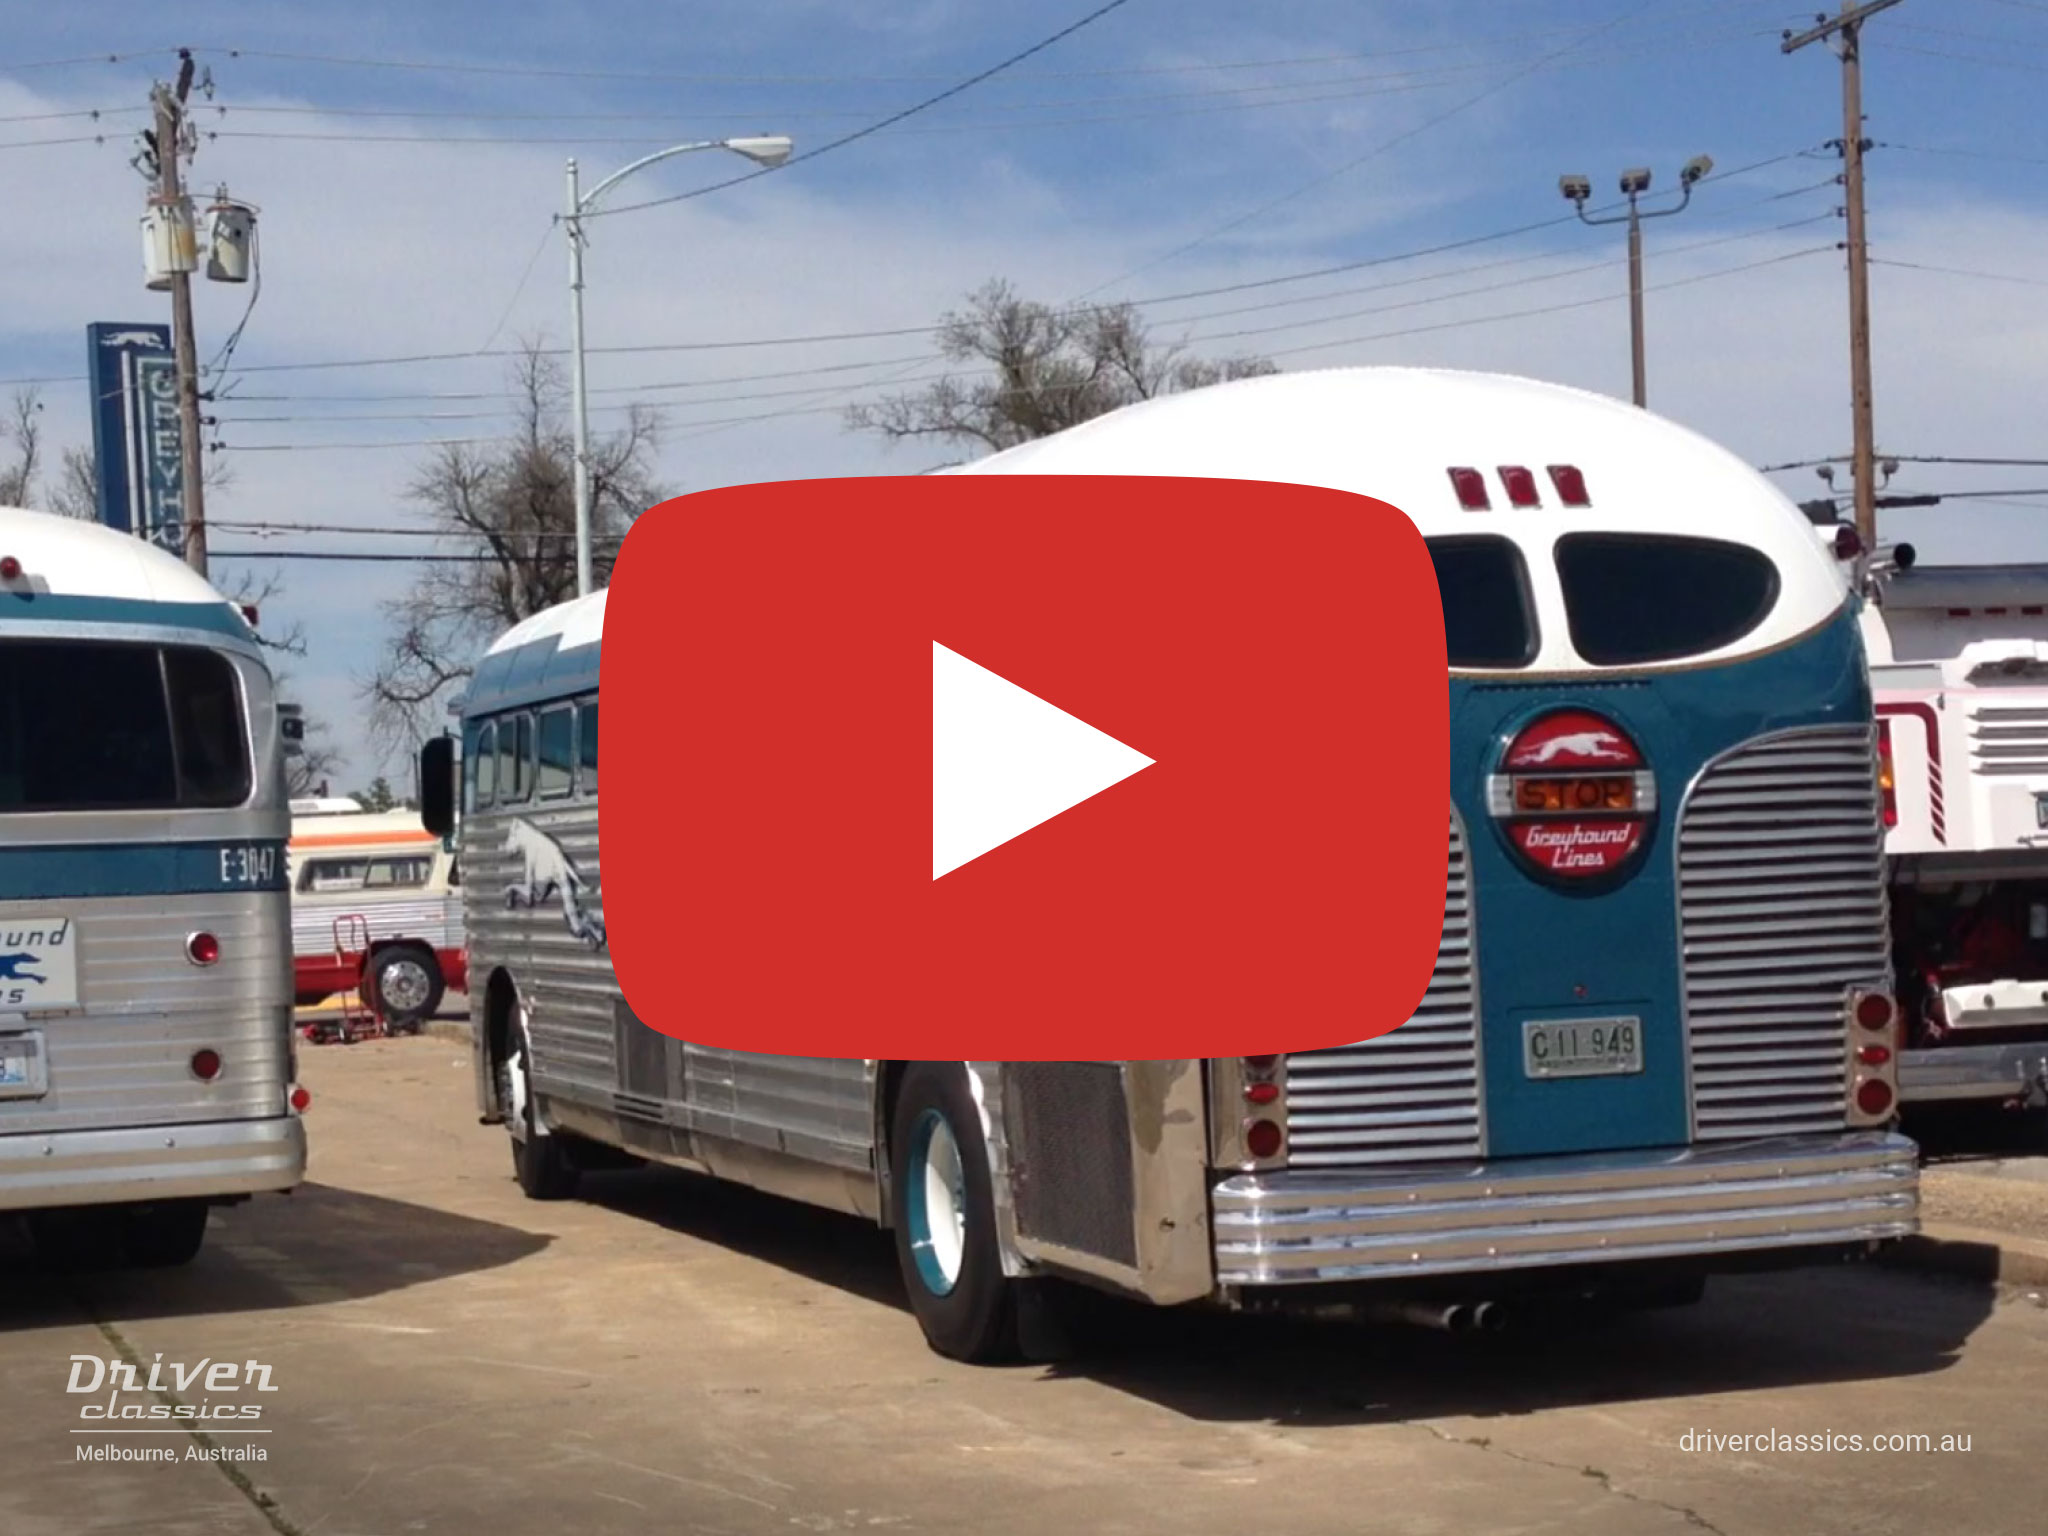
{"x": 1659, "y": 1031}
{"x": 146, "y": 1061}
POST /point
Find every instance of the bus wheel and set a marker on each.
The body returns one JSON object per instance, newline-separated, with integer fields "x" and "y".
{"x": 945, "y": 1218}
{"x": 165, "y": 1235}
{"x": 406, "y": 985}
{"x": 539, "y": 1160}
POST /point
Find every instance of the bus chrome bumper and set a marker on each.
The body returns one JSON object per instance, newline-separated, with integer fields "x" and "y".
{"x": 1295, "y": 1228}
{"x": 1987, "y": 1072}
{"x": 39, "y": 1170}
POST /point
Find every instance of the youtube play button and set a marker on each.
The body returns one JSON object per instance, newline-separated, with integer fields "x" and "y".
{"x": 1180, "y": 761}
{"x": 1004, "y": 760}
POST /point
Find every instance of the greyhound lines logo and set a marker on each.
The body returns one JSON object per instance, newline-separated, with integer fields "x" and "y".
{"x": 38, "y": 964}
{"x": 1573, "y": 794}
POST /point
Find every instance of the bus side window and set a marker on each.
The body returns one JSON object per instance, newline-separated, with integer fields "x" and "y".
{"x": 557, "y": 752}
{"x": 586, "y": 743}
{"x": 485, "y": 767}
{"x": 515, "y": 746}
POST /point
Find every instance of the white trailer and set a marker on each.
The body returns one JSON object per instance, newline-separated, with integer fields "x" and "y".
{"x": 1959, "y": 669}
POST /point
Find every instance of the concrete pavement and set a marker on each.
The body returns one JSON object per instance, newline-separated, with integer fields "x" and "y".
{"x": 671, "y": 1355}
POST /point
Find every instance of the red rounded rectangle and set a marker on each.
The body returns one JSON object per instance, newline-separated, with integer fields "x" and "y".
{"x": 1177, "y": 750}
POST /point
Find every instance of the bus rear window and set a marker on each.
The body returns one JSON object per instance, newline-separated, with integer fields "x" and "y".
{"x": 1489, "y": 620}
{"x": 92, "y": 725}
{"x": 1632, "y": 598}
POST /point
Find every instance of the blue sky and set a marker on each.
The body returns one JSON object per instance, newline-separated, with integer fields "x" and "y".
{"x": 1163, "y": 149}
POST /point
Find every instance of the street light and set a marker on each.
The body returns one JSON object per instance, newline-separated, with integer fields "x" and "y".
{"x": 768, "y": 150}
{"x": 1634, "y": 183}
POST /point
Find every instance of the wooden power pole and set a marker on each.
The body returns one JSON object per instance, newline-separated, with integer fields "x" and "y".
{"x": 170, "y": 130}
{"x": 1848, "y": 27}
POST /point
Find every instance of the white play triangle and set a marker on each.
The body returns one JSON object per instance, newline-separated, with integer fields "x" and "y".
{"x": 1004, "y": 760}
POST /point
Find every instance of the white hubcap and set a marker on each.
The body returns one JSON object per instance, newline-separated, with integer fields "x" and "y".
{"x": 945, "y": 1202}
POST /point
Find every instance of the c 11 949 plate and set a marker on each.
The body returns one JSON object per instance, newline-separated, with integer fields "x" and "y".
{"x": 1582, "y": 1047}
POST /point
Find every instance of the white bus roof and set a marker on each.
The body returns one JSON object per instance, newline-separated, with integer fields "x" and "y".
{"x": 71, "y": 558}
{"x": 1395, "y": 433}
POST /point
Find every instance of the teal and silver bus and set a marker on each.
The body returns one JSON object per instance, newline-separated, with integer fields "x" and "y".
{"x": 1659, "y": 1040}
{"x": 146, "y": 1055}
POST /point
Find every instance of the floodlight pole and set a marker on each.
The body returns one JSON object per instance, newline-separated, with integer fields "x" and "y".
{"x": 1633, "y": 185}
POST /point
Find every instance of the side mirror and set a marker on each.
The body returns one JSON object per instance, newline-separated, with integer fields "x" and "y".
{"x": 437, "y": 786}
{"x": 291, "y": 729}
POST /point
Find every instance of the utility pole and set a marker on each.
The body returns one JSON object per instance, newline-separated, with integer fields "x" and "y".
{"x": 170, "y": 133}
{"x": 1847, "y": 27}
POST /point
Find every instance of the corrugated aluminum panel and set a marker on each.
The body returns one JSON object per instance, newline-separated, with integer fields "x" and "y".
{"x": 1412, "y": 1095}
{"x": 1781, "y": 908}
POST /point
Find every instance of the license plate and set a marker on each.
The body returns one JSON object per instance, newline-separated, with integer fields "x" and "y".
{"x": 1582, "y": 1047}
{"x": 38, "y": 963}
{"x": 23, "y": 1074}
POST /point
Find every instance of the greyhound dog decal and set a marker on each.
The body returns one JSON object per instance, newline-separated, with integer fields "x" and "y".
{"x": 11, "y": 968}
{"x": 550, "y": 872}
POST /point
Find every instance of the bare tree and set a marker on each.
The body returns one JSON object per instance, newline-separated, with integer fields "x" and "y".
{"x": 22, "y": 432}
{"x": 74, "y": 491}
{"x": 1046, "y": 369}
{"x": 507, "y": 511}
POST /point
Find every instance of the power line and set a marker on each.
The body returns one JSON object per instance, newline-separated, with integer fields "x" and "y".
{"x": 1993, "y": 277}
{"x": 875, "y": 127}
{"x": 1964, "y": 154}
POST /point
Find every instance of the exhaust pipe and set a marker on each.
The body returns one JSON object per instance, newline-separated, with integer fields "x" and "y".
{"x": 1490, "y": 1317}
{"x": 1454, "y": 1317}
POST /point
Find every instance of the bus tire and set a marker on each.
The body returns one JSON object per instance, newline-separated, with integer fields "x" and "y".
{"x": 540, "y": 1161}
{"x": 164, "y": 1235}
{"x": 945, "y": 1218}
{"x": 405, "y": 985}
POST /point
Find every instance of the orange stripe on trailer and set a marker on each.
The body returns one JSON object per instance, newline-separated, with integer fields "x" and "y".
{"x": 362, "y": 839}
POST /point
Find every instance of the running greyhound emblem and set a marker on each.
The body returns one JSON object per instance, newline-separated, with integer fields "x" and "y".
{"x": 11, "y": 968}
{"x": 1600, "y": 746}
{"x": 549, "y": 872}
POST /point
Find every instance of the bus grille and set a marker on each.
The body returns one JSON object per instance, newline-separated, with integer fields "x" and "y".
{"x": 1411, "y": 1095}
{"x": 1781, "y": 907}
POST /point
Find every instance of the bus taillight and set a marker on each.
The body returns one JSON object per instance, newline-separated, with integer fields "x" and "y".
{"x": 206, "y": 1065}
{"x": 1886, "y": 783}
{"x": 202, "y": 948}
{"x": 9, "y": 567}
{"x": 1873, "y": 1080}
{"x": 299, "y": 1099}
{"x": 1262, "y": 1133}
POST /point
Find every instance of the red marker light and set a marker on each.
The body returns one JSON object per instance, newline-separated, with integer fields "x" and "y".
{"x": 202, "y": 949}
{"x": 1262, "y": 1093}
{"x": 1873, "y": 1055}
{"x": 1261, "y": 1063}
{"x": 1874, "y": 1010}
{"x": 1874, "y": 1097}
{"x": 9, "y": 567}
{"x": 1471, "y": 488}
{"x": 300, "y": 1098}
{"x": 1848, "y": 544}
{"x": 206, "y": 1065}
{"x": 1262, "y": 1138}
{"x": 1571, "y": 485}
{"x": 1521, "y": 485}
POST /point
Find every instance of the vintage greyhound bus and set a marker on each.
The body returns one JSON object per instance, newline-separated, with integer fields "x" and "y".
{"x": 146, "y": 1057}
{"x": 1659, "y": 1040}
